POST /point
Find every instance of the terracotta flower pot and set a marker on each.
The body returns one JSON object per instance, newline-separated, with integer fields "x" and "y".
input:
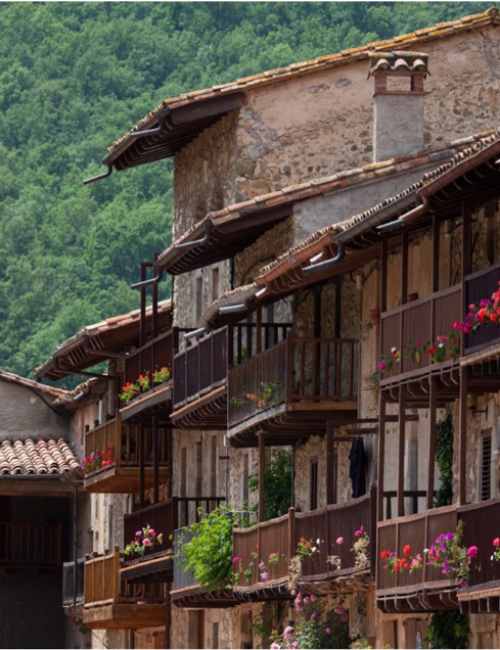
{"x": 374, "y": 315}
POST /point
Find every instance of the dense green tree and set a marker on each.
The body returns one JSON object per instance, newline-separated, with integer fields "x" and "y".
{"x": 73, "y": 78}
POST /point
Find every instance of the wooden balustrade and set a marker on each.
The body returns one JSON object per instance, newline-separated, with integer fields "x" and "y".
{"x": 155, "y": 354}
{"x": 125, "y": 439}
{"x": 102, "y": 580}
{"x": 419, "y": 531}
{"x": 481, "y": 525}
{"x": 417, "y": 323}
{"x": 299, "y": 370}
{"x": 283, "y": 535}
{"x": 165, "y": 517}
{"x": 412, "y": 495}
{"x": 30, "y": 544}
{"x": 481, "y": 285}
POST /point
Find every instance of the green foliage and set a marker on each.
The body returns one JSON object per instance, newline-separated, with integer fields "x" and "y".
{"x": 448, "y": 629}
{"x": 207, "y": 549}
{"x": 74, "y": 77}
{"x": 444, "y": 459}
{"x": 277, "y": 483}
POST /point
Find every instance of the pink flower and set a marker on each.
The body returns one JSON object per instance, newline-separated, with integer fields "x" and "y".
{"x": 463, "y": 583}
{"x": 138, "y": 533}
{"x": 313, "y": 598}
{"x": 345, "y": 617}
{"x": 314, "y": 616}
{"x": 263, "y": 576}
{"x": 295, "y": 644}
{"x": 306, "y": 599}
{"x": 328, "y": 631}
{"x": 358, "y": 533}
{"x": 340, "y": 540}
{"x": 275, "y": 646}
{"x": 152, "y": 532}
{"x": 496, "y": 541}
{"x": 340, "y": 610}
{"x": 472, "y": 551}
{"x": 236, "y": 559}
{"x": 147, "y": 542}
{"x": 287, "y": 634}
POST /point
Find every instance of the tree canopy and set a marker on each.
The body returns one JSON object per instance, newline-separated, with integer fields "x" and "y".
{"x": 73, "y": 78}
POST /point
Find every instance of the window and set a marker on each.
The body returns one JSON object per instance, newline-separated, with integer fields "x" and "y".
{"x": 199, "y": 296}
{"x": 215, "y": 283}
{"x": 215, "y": 635}
{"x": 213, "y": 466}
{"x": 485, "y": 476}
{"x": 313, "y": 483}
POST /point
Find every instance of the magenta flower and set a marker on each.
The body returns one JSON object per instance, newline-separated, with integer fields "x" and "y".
{"x": 328, "y": 631}
{"x": 345, "y": 617}
{"x": 287, "y": 634}
{"x": 263, "y": 576}
{"x": 472, "y": 551}
{"x": 314, "y": 616}
{"x": 236, "y": 559}
{"x": 340, "y": 540}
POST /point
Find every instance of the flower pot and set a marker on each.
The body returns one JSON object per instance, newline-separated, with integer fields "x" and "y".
{"x": 374, "y": 315}
{"x": 412, "y": 296}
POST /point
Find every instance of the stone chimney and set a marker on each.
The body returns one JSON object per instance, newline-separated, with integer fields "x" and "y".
{"x": 398, "y": 103}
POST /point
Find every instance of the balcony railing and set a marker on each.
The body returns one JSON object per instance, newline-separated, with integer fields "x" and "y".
{"x": 419, "y": 531}
{"x": 419, "y": 322}
{"x": 114, "y": 435}
{"x": 282, "y": 536}
{"x": 156, "y": 353}
{"x": 27, "y": 544}
{"x": 481, "y": 525}
{"x": 297, "y": 371}
{"x": 165, "y": 517}
{"x": 481, "y": 285}
{"x": 73, "y": 580}
{"x": 200, "y": 368}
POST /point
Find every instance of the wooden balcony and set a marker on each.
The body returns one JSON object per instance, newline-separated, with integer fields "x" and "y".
{"x": 421, "y": 321}
{"x": 311, "y": 380}
{"x": 425, "y": 590}
{"x": 282, "y": 536}
{"x": 200, "y": 371}
{"x": 73, "y": 581}
{"x": 481, "y": 525}
{"x": 481, "y": 285}
{"x": 30, "y": 545}
{"x": 112, "y": 603}
{"x": 123, "y": 441}
{"x": 165, "y": 517}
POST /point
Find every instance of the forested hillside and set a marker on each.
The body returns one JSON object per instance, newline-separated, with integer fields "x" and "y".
{"x": 73, "y": 78}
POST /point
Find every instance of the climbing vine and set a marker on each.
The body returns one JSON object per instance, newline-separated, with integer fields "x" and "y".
{"x": 444, "y": 459}
{"x": 448, "y": 629}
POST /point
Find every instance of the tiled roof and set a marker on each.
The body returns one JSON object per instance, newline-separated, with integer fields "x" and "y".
{"x": 232, "y": 297}
{"x": 441, "y": 30}
{"x": 101, "y": 333}
{"x": 319, "y": 186}
{"x": 33, "y": 385}
{"x": 36, "y": 456}
{"x": 468, "y": 148}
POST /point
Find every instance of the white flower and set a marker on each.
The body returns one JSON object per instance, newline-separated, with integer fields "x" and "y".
{"x": 314, "y": 549}
{"x": 426, "y": 550}
{"x": 317, "y": 541}
{"x": 441, "y": 345}
{"x": 394, "y": 348}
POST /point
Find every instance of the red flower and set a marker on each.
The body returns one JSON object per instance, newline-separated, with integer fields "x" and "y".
{"x": 496, "y": 541}
{"x": 384, "y": 554}
{"x": 406, "y": 550}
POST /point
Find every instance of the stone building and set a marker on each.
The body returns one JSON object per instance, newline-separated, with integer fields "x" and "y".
{"x": 327, "y": 229}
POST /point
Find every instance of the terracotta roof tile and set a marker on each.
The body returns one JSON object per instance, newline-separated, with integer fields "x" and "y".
{"x": 30, "y": 383}
{"x": 36, "y": 456}
{"x": 489, "y": 17}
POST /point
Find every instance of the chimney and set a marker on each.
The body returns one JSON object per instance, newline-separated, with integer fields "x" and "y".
{"x": 398, "y": 103}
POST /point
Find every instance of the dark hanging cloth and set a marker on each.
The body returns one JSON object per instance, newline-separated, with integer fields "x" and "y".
{"x": 357, "y": 468}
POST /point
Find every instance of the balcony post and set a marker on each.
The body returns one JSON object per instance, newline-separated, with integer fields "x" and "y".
{"x": 465, "y": 260}
{"x": 331, "y": 474}
{"x": 381, "y": 458}
{"x": 142, "y": 468}
{"x": 262, "y": 474}
{"x": 168, "y": 618}
{"x": 156, "y": 460}
{"x": 292, "y": 547}
{"x": 462, "y": 443}
{"x": 435, "y": 253}
{"x": 432, "y": 442}
{"x": 258, "y": 330}
{"x": 404, "y": 267}
{"x": 401, "y": 455}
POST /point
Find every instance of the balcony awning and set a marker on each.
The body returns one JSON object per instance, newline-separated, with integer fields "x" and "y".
{"x": 101, "y": 341}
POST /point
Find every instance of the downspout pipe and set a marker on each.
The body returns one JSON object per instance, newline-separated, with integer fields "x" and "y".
{"x": 100, "y": 177}
{"x": 147, "y": 283}
{"x": 234, "y": 309}
{"x": 198, "y": 332}
{"x": 196, "y": 242}
{"x": 313, "y": 268}
{"x": 406, "y": 218}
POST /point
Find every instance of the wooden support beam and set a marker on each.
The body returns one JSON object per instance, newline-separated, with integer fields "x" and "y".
{"x": 401, "y": 457}
{"x": 435, "y": 253}
{"x": 465, "y": 261}
{"x": 404, "y": 267}
{"x": 381, "y": 458}
{"x": 142, "y": 460}
{"x": 383, "y": 276}
{"x": 331, "y": 460}
{"x": 462, "y": 437}
{"x": 432, "y": 442}
{"x": 156, "y": 460}
{"x": 262, "y": 474}
{"x": 258, "y": 329}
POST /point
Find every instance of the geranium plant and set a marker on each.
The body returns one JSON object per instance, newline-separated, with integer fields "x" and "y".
{"x": 486, "y": 312}
{"x": 264, "y": 397}
{"x": 78, "y": 621}
{"x": 146, "y": 539}
{"x": 162, "y": 375}
{"x": 144, "y": 382}
{"x": 129, "y": 391}
{"x": 98, "y": 460}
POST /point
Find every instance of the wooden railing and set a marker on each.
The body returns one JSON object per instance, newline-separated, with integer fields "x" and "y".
{"x": 481, "y": 525}
{"x": 73, "y": 581}
{"x": 419, "y": 322}
{"x": 282, "y": 536}
{"x": 155, "y": 354}
{"x": 248, "y": 340}
{"x": 29, "y": 544}
{"x": 200, "y": 368}
{"x": 124, "y": 438}
{"x": 419, "y": 531}
{"x": 413, "y": 496}
{"x": 297, "y": 370}
{"x": 104, "y": 587}
{"x": 481, "y": 285}
{"x": 165, "y": 517}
